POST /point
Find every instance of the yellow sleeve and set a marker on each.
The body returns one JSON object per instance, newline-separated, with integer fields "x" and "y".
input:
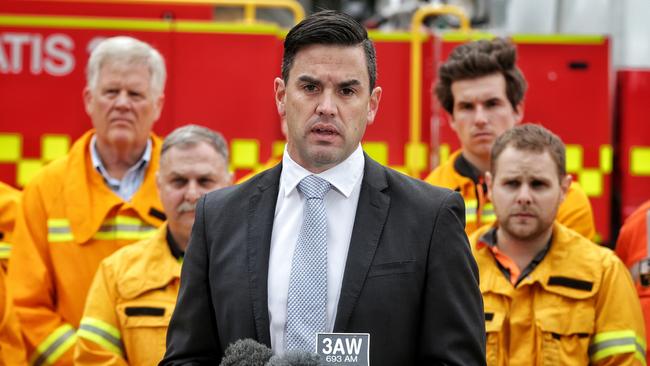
{"x": 49, "y": 339}
{"x": 619, "y": 339}
{"x": 576, "y": 213}
{"x": 12, "y": 348}
{"x": 99, "y": 335}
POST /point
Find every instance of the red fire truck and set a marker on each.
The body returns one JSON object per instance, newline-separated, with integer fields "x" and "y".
{"x": 221, "y": 75}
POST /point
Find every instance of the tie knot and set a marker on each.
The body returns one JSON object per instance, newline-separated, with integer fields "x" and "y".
{"x": 314, "y": 187}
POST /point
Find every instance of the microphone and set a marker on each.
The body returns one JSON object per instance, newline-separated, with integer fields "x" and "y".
{"x": 246, "y": 352}
{"x": 296, "y": 358}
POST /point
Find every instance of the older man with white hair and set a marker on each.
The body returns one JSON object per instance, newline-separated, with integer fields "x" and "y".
{"x": 99, "y": 197}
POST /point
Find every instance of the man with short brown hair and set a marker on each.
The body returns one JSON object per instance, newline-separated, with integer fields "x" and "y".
{"x": 550, "y": 295}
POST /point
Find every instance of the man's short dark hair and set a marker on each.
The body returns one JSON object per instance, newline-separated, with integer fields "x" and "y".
{"x": 530, "y": 137}
{"x": 328, "y": 27}
{"x": 477, "y": 59}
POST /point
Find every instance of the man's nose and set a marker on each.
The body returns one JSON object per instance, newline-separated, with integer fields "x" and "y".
{"x": 524, "y": 196}
{"x": 326, "y": 105}
{"x": 122, "y": 100}
{"x": 193, "y": 192}
{"x": 481, "y": 116}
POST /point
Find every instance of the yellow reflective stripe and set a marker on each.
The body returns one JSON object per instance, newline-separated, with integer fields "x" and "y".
{"x": 487, "y": 213}
{"x": 124, "y": 220}
{"x": 124, "y": 228}
{"x": 124, "y": 235}
{"x": 102, "y": 333}
{"x": 488, "y": 217}
{"x": 55, "y": 345}
{"x": 58, "y": 230}
{"x": 608, "y": 344}
{"x": 470, "y": 210}
{"x": 5, "y": 250}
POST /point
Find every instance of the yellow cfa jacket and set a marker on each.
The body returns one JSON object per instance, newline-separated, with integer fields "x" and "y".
{"x": 9, "y": 200}
{"x": 575, "y": 212}
{"x": 12, "y": 348}
{"x": 68, "y": 221}
{"x": 129, "y": 306}
{"x": 577, "y": 307}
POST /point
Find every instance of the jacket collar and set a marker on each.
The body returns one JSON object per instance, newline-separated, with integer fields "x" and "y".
{"x": 564, "y": 260}
{"x": 89, "y": 200}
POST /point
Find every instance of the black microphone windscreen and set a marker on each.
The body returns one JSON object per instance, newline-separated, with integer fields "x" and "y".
{"x": 295, "y": 358}
{"x": 246, "y": 352}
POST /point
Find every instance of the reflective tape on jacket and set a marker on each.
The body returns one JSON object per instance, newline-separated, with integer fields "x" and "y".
{"x": 114, "y": 228}
{"x": 470, "y": 210}
{"x": 616, "y": 342}
{"x": 102, "y": 333}
{"x": 5, "y": 250}
{"x": 124, "y": 228}
{"x": 55, "y": 345}
{"x": 58, "y": 230}
{"x": 487, "y": 212}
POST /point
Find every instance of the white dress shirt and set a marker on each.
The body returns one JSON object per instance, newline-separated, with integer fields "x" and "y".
{"x": 341, "y": 204}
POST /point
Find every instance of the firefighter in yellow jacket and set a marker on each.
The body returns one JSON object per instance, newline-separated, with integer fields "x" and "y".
{"x": 134, "y": 291}
{"x": 12, "y": 348}
{"x": 9, "y": 200}
{"x": 99, "y": 197}
{"x": 482, "y": 90}
{"x": 551, "y": 297}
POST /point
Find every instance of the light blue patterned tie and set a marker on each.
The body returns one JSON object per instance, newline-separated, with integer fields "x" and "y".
{"x": 307, "y": 298}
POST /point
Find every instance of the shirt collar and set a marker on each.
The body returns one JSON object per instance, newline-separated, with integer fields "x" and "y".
{"x": 175, "y": 249}
{"x": 467, "y": 169}
{"x": 343, "y": 177}
{"x": 99, "y": 165}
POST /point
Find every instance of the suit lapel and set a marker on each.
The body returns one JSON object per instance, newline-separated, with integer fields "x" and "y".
{"x": 372, "y": 211}
{"x": 261, "y": 210}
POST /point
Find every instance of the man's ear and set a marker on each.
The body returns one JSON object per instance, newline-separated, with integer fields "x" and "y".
{"x": 452, "y": 122}
{"x": 519, "y": 113}
{"x": 159, "y": 103}
{"x": 280, "y": 96}
{"x": 88, "y": 98}
{"x": 373, "y": 105}
{"x": 488, "y": 182}
{"x": 565, "y": 185}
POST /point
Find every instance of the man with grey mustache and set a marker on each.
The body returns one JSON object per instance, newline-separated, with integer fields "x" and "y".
{"x": 134, "y": 291}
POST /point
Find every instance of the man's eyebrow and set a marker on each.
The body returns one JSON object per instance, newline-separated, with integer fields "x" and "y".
{"x": 309, "y": 79}
{"x": 349, "y": 83}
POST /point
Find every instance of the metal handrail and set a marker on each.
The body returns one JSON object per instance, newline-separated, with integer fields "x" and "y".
{"x": 415, "y": 131}
{"x": 249, "y": 5}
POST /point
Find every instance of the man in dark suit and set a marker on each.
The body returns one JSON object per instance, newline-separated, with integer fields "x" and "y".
{"x": 329, "y": 240}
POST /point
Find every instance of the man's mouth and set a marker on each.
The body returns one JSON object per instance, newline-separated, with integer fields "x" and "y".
{"x": 324, "y": 130}
{"x": 482, "y": 134}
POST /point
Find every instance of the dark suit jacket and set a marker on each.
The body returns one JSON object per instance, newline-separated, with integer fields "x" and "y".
{"x": 410, "y": 279}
